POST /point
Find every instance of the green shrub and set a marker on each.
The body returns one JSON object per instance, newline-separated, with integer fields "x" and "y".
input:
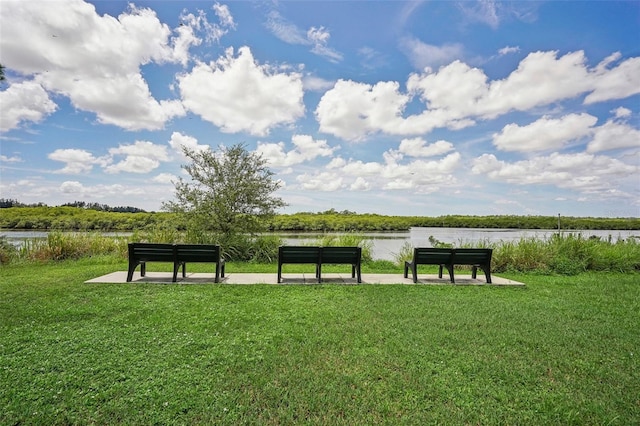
{"x": 7, "y": 250}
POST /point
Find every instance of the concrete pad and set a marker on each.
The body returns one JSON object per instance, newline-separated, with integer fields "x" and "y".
{"x": 120, "y": 277}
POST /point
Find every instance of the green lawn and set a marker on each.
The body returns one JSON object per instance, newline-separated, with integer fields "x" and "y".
{"x": 563, "y": 350}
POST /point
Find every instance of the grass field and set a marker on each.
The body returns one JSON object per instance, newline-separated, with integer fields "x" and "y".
{"x": 563, "y": 350}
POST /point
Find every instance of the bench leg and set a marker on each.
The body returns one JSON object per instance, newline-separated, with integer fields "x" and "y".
{"x": 487, "y": 273}
{"x": 319, "y": 272}
{"x": 132, "y": 267}
{"x": 279, "y": 272}
{"x": 451, "y": 277}
{"x": 217, "y": 279}
{"x": 359, "y": 273}
{"x": 143, "y": 269}
{"x": 440, "y": 271}
{"x": 176, "y": 266}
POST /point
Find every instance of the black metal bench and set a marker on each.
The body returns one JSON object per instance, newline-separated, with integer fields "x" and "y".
{"x": 448, "y": 258}
{"x": 201, "y": 253}
{"x": 141, "y": 253}
{"x": 321, "y": 255}
{"x": 178, "y": 254}
{"x": 343, "y": 256}
{"x": 476, "y": 258}
{"x": 443, "y": 257}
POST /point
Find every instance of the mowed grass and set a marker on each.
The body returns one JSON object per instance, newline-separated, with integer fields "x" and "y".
{"x": 563, "y": 350}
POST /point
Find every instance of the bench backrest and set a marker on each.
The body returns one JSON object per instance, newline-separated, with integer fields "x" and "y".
{"x": 472, "y": 256}
{"x": 198, "y": 252}
{"x": 432, "y": 256}
{"x": 151, "y": 251}
{"x": 299, "y": 254}
{"x": 351, "y": 255}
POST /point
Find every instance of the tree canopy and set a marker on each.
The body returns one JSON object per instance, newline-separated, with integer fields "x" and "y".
{"x": 231, "y": 192}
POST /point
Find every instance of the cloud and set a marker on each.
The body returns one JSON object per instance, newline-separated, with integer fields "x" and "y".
{"x": 165, "y": 178}
{"x": 544, "y": 134}
{"x": 21, "y": 102}
{"x": 140, "y": 157}
{"x": 420, "y": 176}
{"x": 306, "y": 149}
{"x": 179, "y": 140}
{"x": 77, "y": 160}
{"x": 324, "y": 181}
{"x": 457, "y": 95}
{"x": 423, "y": 55}
{"x": 319, "y": 37}
{"x": 417, "y": 147}
{"x": 484, "y": 11}
{"x": 493, "y": 13}
{"x": 316, "y": 84}
{"x": 94, "y": 60}
{"x": 238, "y": 95}
{"x": 508, "y": 50}
{"x": 353, "y": 110}
{"x": 614, "y": 135}
{"x": 98, "y": 191}
{"x": 582, "y": 172}
{"x": 14, "y": 159}
{"x": 616, "y": 83}
{"x": 316, "y": 37}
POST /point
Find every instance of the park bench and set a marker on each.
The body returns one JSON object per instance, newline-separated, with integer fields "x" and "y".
{"x": 200, "y": 253}
{"x": 321, "y": 255}
{"x": 443, "y": 257}
{"x": 476, "y": 258}
{"x": 448, "y": 258}
{"x": 344, "y": 256}
{"x": 178, "y": 254}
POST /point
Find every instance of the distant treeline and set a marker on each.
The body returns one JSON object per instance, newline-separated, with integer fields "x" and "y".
{"x": 7, "y": 203}
{"x": 84, "y": 219}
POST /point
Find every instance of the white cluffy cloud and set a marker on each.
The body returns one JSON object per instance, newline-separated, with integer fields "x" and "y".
{"x": 544, "y": 134}
{"x": 27, "y": 101}
{"x": 140, "y": 157}
{"x": 306, "y": 149}
{"x": 95, "y": 60}
{"x": 179, "y": 140}
{"x": 238, "y": 95}
{"x": 418, "y": 175}
{"x": 554, "y": 133}
{"x": 77, "y": 160}
{"x": 457, "y": 94}
{"x": 581, "y": 172}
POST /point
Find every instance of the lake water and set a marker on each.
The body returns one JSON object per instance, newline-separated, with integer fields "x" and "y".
{"x": 387, "y": 244}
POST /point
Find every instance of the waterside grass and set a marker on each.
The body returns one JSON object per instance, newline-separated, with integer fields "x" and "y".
{"x": 564, "y": 350}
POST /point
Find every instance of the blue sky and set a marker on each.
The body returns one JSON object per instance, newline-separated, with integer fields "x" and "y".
{"x": 390, "y": 107}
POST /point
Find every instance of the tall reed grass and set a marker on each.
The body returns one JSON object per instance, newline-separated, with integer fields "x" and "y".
{"x": 566, "y": 254}
{"x": 347, "y": 240}
{"x": 62, "y": 245}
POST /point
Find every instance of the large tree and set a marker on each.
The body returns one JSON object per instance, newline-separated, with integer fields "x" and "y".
{"x": 230, "y": 194}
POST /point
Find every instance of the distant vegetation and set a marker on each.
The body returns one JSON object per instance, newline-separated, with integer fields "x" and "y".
{"x": 6, "y": 203}
{"x": 88, "y": 217}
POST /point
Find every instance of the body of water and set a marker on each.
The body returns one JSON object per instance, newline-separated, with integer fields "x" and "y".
{"x": 387, "y": 244}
